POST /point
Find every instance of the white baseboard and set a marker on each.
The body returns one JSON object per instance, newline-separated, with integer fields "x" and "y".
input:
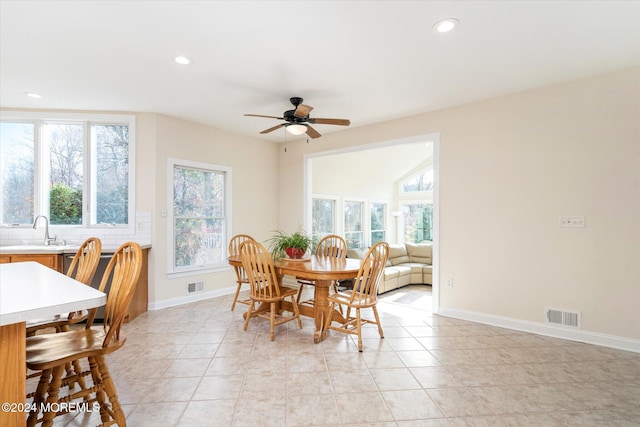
{"x": 189, "y": 298}
{"x": 596, "y": 338}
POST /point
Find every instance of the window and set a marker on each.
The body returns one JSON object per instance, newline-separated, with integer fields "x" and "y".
{"x": 378, "y": 222}
{"x": 418, "y": 222}
{"x": 421, "y": 182}
{"x": 199, "y": 216}
{"x": 76, "y": 169}
{"x": 353, "y": 224}
{"x": 323, "y": 217}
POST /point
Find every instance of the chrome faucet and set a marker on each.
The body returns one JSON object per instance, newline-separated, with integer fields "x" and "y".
{"x": 47, "y": 239}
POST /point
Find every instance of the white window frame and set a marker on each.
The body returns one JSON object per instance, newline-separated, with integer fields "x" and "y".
{"x": 401, "y": 231}
{"x": 41, "y": 192}
{"x": 407, "y": 178}
{"x": 365, "y": 218}
{"x": 386, "y": 220}
{"x": 336, "y": 209}
{"x": 172, "y": 271}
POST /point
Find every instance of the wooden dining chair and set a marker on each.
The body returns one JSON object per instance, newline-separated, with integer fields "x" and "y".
{"x": 49, "y": 353}
{"x": 82, "y": 268}
{"x": 363, "y": 295}
{"x": 331, "y": 245}
{"x": 241, "y": 275}
{"x": 265, "y": 288}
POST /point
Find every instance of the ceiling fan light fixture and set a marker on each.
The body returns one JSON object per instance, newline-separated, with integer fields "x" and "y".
{"x": 446, "y": 25}
{"x": 296, "y": 129}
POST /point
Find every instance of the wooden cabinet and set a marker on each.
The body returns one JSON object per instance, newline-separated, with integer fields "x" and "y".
{"x": 140, "y": 299}
{"x": 53, "y": 261}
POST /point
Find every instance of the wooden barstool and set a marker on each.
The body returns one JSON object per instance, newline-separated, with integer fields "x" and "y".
{"x": 83, "y": 268}
{"x": 50, "y": 353}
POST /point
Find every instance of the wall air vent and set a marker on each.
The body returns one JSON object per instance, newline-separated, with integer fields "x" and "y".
{"x": 195, "y": 287}
{"x": 563, "y": 318}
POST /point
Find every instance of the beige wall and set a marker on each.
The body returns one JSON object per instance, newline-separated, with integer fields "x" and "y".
{"x": 509, "y": 167}
{"x": 255, "y": 191}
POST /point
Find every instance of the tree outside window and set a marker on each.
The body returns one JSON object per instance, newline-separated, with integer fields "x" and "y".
{"x": 81, "y": 165}
{"x": 17, "y": 161}
{"x": 421, "y": 182}
{"x": 418, "y": 222}
{"x": 199, "y": 216}
{"x": 353, "y": 224}
{"x": 322, "y": 217}
{"x": 378, "y": 222}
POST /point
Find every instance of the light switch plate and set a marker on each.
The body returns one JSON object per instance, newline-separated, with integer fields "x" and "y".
{"x": 572, "y": 222}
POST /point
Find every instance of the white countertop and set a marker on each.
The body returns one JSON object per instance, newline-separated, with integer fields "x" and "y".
{"x": 29, "y": 290}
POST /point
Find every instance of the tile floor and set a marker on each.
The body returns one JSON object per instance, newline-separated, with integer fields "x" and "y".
{"x": 193, "y": 365}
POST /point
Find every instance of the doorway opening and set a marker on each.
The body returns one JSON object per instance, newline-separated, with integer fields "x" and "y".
{"x": 353, "y": 185}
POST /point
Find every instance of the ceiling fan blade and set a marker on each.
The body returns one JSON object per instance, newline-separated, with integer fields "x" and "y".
{"x": 312, "y": 132}
{"x": 273, "y": 128}
{"x": 340, "y": 122}
{"x": 268, "y": 117}
{"x": 302, "y": 111}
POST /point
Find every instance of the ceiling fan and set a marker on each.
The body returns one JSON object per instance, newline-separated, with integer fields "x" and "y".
{"x": 298, "y": 120}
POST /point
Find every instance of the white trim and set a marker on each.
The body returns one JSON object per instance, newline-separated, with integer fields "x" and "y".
{"x": 172, "y": 302}
{"x": 596, "y": 338}
{"x": 228, "y": 186}
{"x": 435, "y": 248}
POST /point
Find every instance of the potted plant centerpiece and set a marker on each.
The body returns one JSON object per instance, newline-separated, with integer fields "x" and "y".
{"x": 294, "y": 245}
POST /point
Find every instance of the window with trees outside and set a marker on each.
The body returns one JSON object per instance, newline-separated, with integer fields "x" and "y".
{"x": 418, "y": 222}
{"x": 378, "y": 222}
{"x": 76, "y": 169}
{"x": 323, "y": 214}
{"x": 353, "y": 224}
{"x": 420, "y": 182}
{"x": 199, "y": 217}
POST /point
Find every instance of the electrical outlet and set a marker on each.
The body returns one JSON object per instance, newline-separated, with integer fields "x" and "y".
{"x": 449, "y": 282}
{"x": 139, "y": 226}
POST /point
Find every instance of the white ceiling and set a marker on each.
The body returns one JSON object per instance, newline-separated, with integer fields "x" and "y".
{"x": 368, "y": 61}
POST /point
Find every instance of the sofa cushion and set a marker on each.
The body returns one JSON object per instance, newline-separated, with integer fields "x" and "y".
{"x": 390, "y": 273}
{"x": 398, "y": 254}
{"x": 357, "y": 253}
{"x": 415, "y": 271}
{"x": 419, "y": 252}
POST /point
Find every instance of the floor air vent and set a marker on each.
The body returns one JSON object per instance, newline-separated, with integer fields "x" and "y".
{"x": 194, "y": 287}
{"x": 564, "y": 318}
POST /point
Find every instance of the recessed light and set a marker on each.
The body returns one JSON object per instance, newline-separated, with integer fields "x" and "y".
{"x": 446, "y": 25}
{"x": 33, "y": 95}
{"x": 182, "y": 60}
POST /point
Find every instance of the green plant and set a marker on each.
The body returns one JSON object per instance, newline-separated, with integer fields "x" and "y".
{"x": 281, "y": 241}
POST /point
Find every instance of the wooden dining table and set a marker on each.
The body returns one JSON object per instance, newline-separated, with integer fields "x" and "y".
{"x": 28, "y": 291}
{"x": 322, "y": 271}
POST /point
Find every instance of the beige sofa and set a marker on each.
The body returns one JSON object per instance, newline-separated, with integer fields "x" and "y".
{"x": 409, "y": 263}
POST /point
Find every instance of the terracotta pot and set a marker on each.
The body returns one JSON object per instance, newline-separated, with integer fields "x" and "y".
{"x": 295, "y": 253}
